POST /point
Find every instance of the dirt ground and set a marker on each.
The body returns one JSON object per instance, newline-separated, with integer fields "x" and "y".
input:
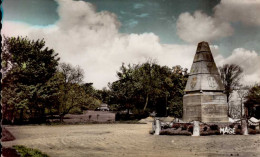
{"x": 127, "y": 140}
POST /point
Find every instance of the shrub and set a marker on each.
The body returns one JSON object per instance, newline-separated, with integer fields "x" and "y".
{"x": 172, "y": 131}
{"x": 252, "y": 127}
{"x": 238, "y": 131}
{"x": 190, "y": 128}
{"x": 184, "y": 127}
{"x": 176, "y": 125}
{"x": 251, "y": 131}
{"x": 76, "y": 111}
{"x": 205, "y": 128}
{"x": 135, "y": 116}
{"x": 165, "y": 126}
{"x": 29, "y": 152}
{"x": 214, "y": 127}
{"x": 231, "y": 125}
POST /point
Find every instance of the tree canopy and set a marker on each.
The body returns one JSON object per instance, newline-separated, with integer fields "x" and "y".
{"x": 253, "y": 101}
{"x": 150, "y": 87}
{"x": 35, "y": 85}
{"x": 27, "y": 67}
{"x": 230, "y": 75}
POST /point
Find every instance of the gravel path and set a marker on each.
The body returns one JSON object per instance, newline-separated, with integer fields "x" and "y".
{"x": 127, "y": 140}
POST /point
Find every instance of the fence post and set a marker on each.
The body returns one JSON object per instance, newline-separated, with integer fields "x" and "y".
{"x": 244, "y": 127}
{"x": 196, "y": 128}
{"x": 157, "y": 127}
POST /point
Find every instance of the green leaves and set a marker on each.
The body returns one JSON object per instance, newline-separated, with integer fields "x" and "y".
{"x": 149, "y": 86}
{"x": 28, "y": 67}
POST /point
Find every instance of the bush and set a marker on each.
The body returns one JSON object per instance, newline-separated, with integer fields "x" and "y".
{"x": 214, "y": 127}
{"x": 136, "y": 116}
{"x": 251, "y": 131}
{"x": 231, "y": 126}
{"x": 190, "y": 128}
{"x": 165, "y": 126}
{"x": 252, "y": 127}
{"x": 76, "y": 111}
{"x": 184, "y": 127}
{"x": 29, "y": 152}
{"x": 172, "y": 131}
{"x": 238, "y": 131}
{"x": 176, "y": 125}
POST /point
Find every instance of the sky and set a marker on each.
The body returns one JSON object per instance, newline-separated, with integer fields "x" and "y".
{"x": 100, "y": 35}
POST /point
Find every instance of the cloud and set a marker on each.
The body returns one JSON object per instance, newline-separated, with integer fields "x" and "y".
{"x": 90, "y": 39}
{"x": 143, "y": 15}
{"x": 248, "y": 60}
{"x": 244, "y": 11}
{"x": 138, "y": 6}
{"x": 132, "y": 23}
{"x": 199, "y": 26}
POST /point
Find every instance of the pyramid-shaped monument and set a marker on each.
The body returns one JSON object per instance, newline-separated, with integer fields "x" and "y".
{"x": 204, "y": 99}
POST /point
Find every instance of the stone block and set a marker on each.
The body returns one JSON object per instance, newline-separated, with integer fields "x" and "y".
{"x": 205, "y": 107}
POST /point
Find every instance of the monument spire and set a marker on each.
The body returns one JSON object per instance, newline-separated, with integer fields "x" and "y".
{"x": 204, "y": 99}
{"x": 204, "y": 75}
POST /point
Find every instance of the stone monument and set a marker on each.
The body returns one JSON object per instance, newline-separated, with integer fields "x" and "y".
{"x": 204, "y": 99}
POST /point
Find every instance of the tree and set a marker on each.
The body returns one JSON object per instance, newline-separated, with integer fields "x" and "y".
{"x": 27, "y": 66}
{"x": 179, "y": 77}
{"x": 242, "y": 93}
{"x": 150, "y": 87}
{"x": 94, "y": 98}
{"x": 123, "y": 90}
{"x": 148, "y": 77}
{"x": 72, "y": 93}
{"x": 230, "y": 75}
{"x": 253, "y": 101}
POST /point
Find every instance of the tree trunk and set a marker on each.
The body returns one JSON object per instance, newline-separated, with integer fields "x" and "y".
{"x": 21, "y": 115}
{"x": 166, "y": 105}
{"x": 61, "y": 118}
{"x": 241, "y": 108}
{"x": 228, "y": 105}
{"x": 146, "y": 101}
{"x": 43, "y": 117}
{"x": 228, "y": 110}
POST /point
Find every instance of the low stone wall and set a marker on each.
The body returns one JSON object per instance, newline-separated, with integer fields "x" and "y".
{"x": 88, "y": 117}
{"x": 202, "y": 129}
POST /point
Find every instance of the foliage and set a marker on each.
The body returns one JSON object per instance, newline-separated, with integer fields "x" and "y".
{"x": 71, "y": 93}
{"x": 252, "y": 100}
{"x": 253, "y": 96}
{"x": 27, "y": 67}
{"x": 29, "y": 152}
{"x": 230, "y": 75}
{"x": 150, "y": 87}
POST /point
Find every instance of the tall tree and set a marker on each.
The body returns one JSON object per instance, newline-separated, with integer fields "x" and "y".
{"x": 230, "y": 75}
{"x": 253, "y": 101}
{"x": 72, "y": 93}
{"x": 149, "y": 86}
{"x": 123, "y": 89}
{"x": 27, "y": 66}
{"x": 178, "y": 79}
{"x": 148, "y": 76}
{"x": 242, "y": 93}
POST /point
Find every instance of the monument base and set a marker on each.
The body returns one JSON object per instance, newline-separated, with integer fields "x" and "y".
{"x": 205, "y": 107}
